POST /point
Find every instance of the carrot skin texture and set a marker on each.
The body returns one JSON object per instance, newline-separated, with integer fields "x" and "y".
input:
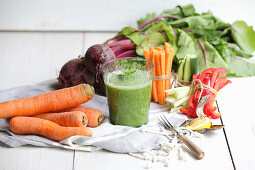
{"x": 163, "y": 73}
{"x": 95, "y": 117}
{"x": 154, "y": 82}
{"x": 35, "y": 126}
{"x": 68, "y": 119}
{"x": 47, "y": 102}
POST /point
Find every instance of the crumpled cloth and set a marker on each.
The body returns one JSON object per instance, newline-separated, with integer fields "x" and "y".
{"x": 114, "y": 138}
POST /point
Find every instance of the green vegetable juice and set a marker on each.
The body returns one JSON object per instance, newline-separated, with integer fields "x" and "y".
{"x": 129, "y": 94}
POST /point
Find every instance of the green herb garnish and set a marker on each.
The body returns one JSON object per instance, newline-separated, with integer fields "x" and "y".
{"x": 126, "y": 73}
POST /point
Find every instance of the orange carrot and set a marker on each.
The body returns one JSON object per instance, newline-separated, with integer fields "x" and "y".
{"x": 152, "y": 48}
{"x": 154, "y": 83}
{"x": 95, "y": 117}
{"x": 146, "y": 54}
{"x": 160, "y": 49}
{"x": 36, "y": 126}
{"x": 169, "y": 58}
{"x": 163, "y": 69}
{"x": 69, "y": 119}
{"x": 47, "y": 102}
{"x": 159, "y": 83}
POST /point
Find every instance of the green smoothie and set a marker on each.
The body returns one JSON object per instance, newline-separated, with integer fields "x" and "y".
{"x": 129, "y": 94}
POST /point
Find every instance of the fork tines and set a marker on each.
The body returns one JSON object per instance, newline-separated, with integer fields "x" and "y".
{"x": 165, "y": 123}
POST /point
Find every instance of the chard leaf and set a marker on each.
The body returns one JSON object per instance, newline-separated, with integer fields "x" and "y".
{"x": 146, "y": 19}
{"x": 127, "y": 30}
{"x": 130, "y": 33}
{"x": 188, "y": 10}
{"x": 180, "y": 11}
{"x": 174, "y": 12}
{"x": 240, "y": 67}
{"x": 226, "y": 49}
{"x": 155, "y": 39}
{"x": 244, "y": 36}
{"x": 185, "y": 45}
{"x": 167, "y": 30}
{"x": 204, "y": 21}
{"x": 136, "y": 38}
{"x": 214, "y": 59}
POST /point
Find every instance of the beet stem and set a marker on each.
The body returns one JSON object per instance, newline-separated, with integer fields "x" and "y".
{"x": 115, "y": 39}
{"x": 124, "y": 41}
{"x": 203, "y": 49}
{"x": 122, "y": 47}
{"x": 157, "y": 18}
{"x": 126, "y": 54}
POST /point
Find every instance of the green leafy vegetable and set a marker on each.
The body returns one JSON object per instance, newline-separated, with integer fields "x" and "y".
{"x": 214, "y": 59}
{"x": 185, "y": 45}
{"x": 213, "y": 42}
{"x": 240, "y": 67}
{"x": 155, "y": 39}
{"x": 244, "y": 36}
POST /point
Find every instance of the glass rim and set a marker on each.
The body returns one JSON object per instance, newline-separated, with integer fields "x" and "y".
{"x": 115, "y": 59}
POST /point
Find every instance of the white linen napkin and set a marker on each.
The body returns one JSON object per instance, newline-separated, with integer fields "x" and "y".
{"x": 114, "y": 138}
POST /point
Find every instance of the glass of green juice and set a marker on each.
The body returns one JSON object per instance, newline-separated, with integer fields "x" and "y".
{"x": 128, "y": 84}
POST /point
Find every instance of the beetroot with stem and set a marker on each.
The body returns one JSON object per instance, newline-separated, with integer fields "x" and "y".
{"x": 73, "y": 73}
{"x": 94, "y": 58}
{"x": 122, "y": 47}
{"x": 97, "y": 54}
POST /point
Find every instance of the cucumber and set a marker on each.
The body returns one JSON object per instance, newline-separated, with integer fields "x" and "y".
{"x": 180, "y": 69}
{"x": 187, "y": 69}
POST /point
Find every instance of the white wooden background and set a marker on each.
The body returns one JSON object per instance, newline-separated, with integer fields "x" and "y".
{"x": 38, "y": 37}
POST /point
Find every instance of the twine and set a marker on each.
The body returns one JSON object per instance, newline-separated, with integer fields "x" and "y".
{"x": 183, "y": 83}
{"x": 202, "y": 87}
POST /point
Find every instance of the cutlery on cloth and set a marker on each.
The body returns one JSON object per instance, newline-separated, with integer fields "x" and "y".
{"x": 193, "y": 147}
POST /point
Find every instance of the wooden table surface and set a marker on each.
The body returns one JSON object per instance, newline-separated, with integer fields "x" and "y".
{"x": 30, "y": 54}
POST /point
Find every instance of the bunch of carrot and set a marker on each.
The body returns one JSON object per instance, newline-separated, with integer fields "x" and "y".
{"x": 55, "y": 115}
{"x": 162, "y": 58}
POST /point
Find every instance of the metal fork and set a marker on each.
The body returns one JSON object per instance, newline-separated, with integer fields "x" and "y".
{"x": 193, "y": 147}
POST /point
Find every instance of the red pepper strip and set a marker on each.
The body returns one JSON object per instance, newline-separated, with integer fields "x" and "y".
{"x": 219, "y": 83}
{"x": 216, "y": 75}
{"x": 215, "y": 115}
{"x": 206, "y": 81}
{"x": 194, "y": 76}
{"x": 209, "y": 107}
{"x": 192, "y": 102}
{"x": 223, "y": 85}
{"x": 209, "y": 110}
{"x": 206, "y": 72}
{"x": 189, "y": 112}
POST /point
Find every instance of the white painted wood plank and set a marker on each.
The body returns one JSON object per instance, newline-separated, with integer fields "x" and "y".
{"x": 92, "y": 38}
{"x": 237, "y": 107}
{"x": 31, "y": 158}
{"x": 27, "y": 58}
{"x": 214, "y": 145}
{"x": 102, "y": 15}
